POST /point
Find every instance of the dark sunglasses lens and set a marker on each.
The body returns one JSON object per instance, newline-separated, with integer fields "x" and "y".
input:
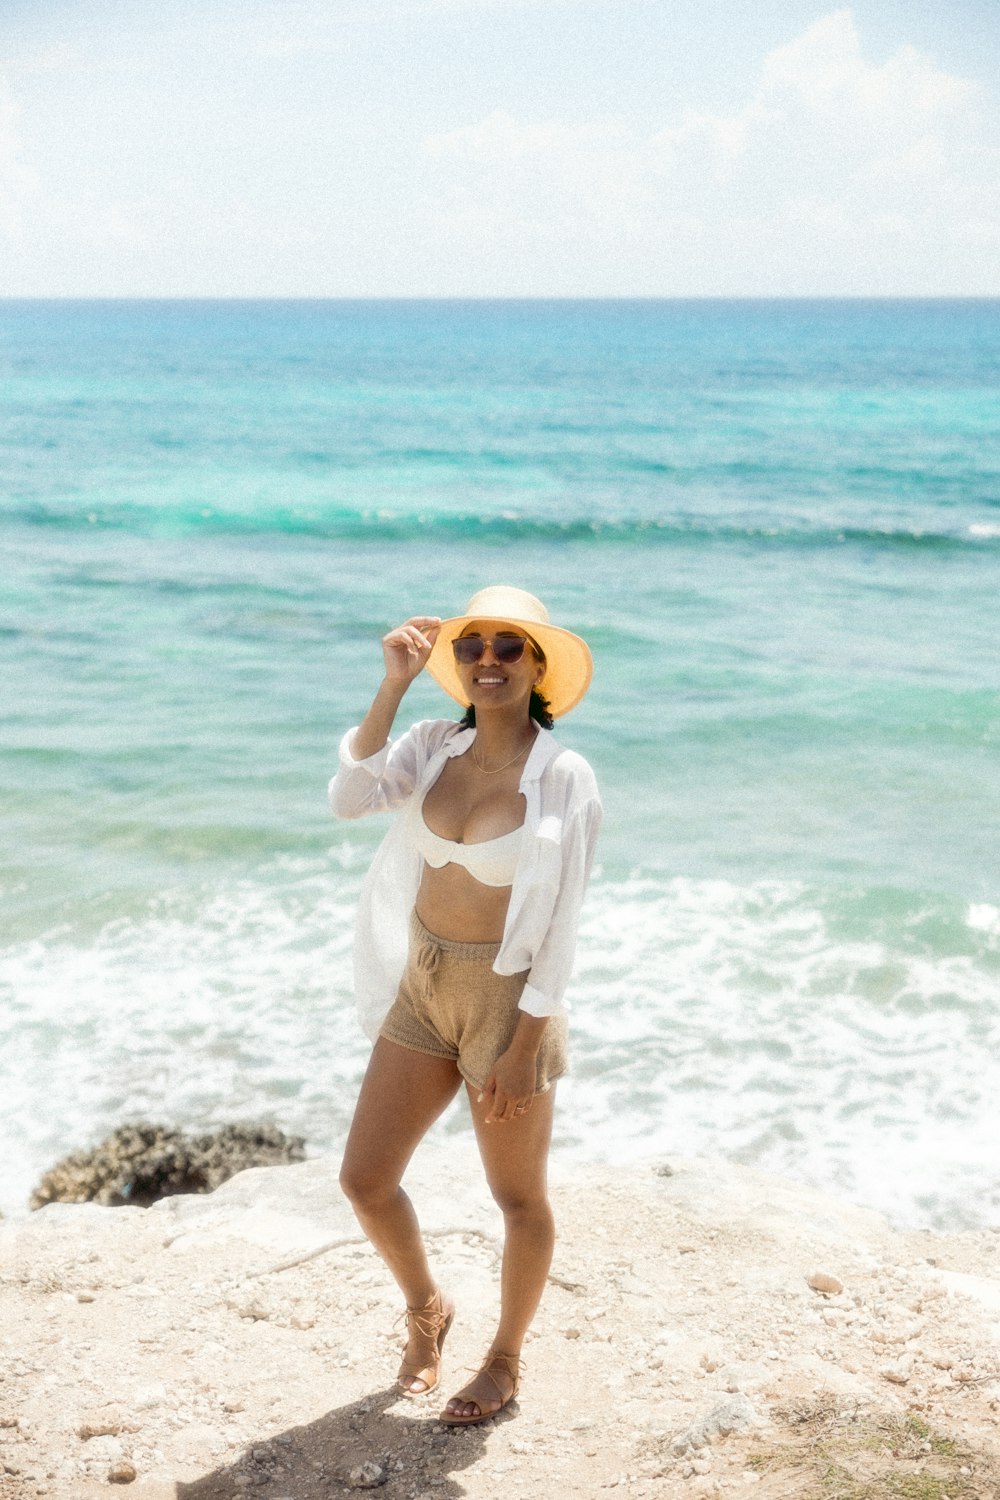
{"x": 509, "y": 650}
{"x": 468, "y": 648}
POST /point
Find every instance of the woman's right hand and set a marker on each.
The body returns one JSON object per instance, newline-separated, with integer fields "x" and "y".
{"x": 407, "y": 648}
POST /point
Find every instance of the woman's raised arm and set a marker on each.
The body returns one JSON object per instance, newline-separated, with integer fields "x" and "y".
{"x": 405, "y": 650}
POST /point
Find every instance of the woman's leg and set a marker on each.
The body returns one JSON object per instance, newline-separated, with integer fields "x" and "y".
{"x": 515, "y": 1156}
{"x": 403, "y": 1093}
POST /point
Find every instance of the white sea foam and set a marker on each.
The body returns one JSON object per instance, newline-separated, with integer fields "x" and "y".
{"x": 984, "y": 918}
{"x": 208, "y": 1009}
{"x": 715, "y": 1018}
{"x": 707, "y": 1017}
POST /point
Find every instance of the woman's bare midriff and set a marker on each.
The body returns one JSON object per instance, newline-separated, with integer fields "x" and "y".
{"x": 452, "y": 904}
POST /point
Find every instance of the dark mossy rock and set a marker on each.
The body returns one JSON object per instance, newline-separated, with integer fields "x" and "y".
{"x": 141, "y": 1163}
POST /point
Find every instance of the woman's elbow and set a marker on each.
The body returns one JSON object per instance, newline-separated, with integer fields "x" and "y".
{"x": 343, "y": 806}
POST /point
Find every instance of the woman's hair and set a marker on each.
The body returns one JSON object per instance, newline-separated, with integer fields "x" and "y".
{"x": 538, "y": 709}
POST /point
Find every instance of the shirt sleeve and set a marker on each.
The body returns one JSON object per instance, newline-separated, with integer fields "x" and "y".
{"x": 553, "y": 962}
{"x": 379, "y": 783}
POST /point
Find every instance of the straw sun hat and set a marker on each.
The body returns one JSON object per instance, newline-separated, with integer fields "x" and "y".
{"x": 568, "y": 662}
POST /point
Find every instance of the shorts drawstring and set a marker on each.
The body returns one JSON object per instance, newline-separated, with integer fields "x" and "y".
{"x": 428, "y": 956}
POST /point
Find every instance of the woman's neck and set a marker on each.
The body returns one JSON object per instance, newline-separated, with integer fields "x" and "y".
{"x": 500, "y": 736}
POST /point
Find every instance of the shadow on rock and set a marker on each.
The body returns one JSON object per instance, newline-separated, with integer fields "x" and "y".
{"x": 382, "y": 1442}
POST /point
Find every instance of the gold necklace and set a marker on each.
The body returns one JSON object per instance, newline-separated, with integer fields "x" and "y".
{"x": 497, "y": 769}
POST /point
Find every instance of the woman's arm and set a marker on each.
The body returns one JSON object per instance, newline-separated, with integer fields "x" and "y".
{"x": 371, "y": 778}
{"x": 510, "y": 1086}
{"x": 405, "y": 650}
{"x": 553, "y": 961}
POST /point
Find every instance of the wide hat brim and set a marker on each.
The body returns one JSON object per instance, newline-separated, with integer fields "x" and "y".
{"x": 569, "y": 665}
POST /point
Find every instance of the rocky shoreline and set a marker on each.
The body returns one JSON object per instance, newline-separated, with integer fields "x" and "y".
{"x": 709, "y": 1330}
{"x": 139, "y": 1163}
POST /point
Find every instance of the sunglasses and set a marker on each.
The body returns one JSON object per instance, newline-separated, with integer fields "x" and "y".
{"x": 506, "y": 648}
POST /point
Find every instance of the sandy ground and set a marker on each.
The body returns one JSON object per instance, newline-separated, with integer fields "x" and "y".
{"x": 680, "y": 1349}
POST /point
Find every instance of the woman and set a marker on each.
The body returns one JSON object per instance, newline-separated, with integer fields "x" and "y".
{"x": 487, "y": 861}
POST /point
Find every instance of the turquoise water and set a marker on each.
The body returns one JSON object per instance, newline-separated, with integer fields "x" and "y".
{"x": 778, "y": 524}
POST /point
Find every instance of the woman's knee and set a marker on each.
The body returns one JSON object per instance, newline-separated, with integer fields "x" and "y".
{"x": 365, "y": 1187}
{"x": 520, "y": 1200}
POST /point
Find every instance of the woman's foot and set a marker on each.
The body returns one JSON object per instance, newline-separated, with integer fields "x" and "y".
{"x": 488, "y": 1392}
{"x": 427, "y": 1328}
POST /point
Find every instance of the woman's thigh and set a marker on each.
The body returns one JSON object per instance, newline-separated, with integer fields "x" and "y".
{"x": 515, "y": 1152}
{"x": 402, "y": 1094}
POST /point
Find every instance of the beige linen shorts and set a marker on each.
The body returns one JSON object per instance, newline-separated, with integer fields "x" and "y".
{"x": 450, "y": 1003}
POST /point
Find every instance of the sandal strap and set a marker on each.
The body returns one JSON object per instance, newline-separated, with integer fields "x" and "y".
{"x": 514, "y": 1365}
{"x": 428, "y": 1319}
{"x": 432, "y": 1322}
{"x": 513, "y": 1362}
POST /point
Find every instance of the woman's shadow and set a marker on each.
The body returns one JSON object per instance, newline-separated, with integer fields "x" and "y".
{"x": 395, "y": 1452}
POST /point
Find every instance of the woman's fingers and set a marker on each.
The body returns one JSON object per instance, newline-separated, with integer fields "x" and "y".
{"x": 513, "y": 1110}
{"x": 503, "y": 1108}
{"x": 414, "y": 641}
{"x": 495, "y": 1111}
{"x": 408, "y": 646}
{"x": 511, "y": 1086}
{"x": 409, "y": 636}
{"x": 420, "y": 625}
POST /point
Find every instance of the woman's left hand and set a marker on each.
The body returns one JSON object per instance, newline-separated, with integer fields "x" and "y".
{"x": 510, "y": 1087}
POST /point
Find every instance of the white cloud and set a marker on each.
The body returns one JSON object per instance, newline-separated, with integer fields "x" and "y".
{"x": 132, "y": 172}
{"x": 838, "y": 175}
{"x": 825, "y": 68}
{"x": 18, "y": 185}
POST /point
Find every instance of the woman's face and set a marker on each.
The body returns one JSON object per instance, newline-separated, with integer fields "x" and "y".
{"x": 490, "y": 682}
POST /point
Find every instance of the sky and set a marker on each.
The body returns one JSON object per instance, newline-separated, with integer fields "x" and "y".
{"x": 498, "y": 148}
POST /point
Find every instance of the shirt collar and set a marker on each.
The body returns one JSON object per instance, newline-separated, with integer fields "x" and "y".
{"x": 460, "y": 741}
{"x": 542, "y": 751}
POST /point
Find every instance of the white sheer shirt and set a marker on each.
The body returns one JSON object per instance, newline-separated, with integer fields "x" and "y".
{"x": 562, "y": 818}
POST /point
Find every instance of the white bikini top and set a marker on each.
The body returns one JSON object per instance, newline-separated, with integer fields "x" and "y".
{"x": 491, "y": 862}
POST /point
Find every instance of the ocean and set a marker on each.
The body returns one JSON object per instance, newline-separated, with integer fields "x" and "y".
{"x": 777, "y": 524}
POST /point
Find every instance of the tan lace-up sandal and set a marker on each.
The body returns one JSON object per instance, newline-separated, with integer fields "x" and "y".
{"x": 432, "y": 1321}
{"x": 512, "y": 1365}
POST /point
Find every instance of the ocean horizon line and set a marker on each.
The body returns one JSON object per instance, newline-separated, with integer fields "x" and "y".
{"x": 701, "y": 299}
